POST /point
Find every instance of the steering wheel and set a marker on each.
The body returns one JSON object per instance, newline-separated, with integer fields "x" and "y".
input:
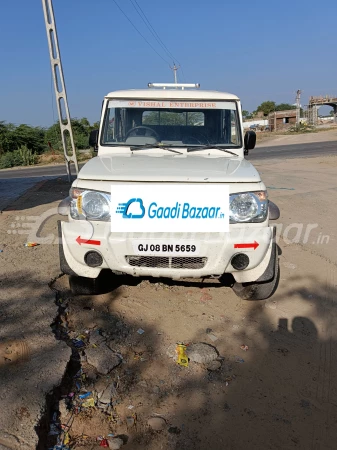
{"x": 151, "y": 132}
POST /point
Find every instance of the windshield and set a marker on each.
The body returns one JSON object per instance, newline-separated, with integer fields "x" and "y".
{"x": 171, "y": 123}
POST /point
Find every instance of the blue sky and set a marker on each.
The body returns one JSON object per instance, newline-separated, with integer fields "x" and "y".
{"x": 257, "y": 50}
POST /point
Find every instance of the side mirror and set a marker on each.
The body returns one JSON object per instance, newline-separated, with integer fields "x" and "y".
{"x": 250, "y": 141}
{"x": 93, "y": 139}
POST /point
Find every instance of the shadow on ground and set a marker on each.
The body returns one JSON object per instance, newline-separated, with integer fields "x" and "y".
{"x": 282, "y": 396}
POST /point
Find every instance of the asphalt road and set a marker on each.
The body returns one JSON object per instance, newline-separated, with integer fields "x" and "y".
{"x": 15, "y": 182}
{"x": 294, "y": 151}
{"x": 33, "y": 172}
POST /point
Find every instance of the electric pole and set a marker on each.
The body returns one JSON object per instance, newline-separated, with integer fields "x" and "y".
{"x": 298, "y": 107}
{"x": 59, "y": 86}
{"x": 175, "y": 69}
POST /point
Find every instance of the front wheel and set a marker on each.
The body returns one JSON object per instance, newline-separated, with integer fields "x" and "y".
{"x": 258, "y": 291}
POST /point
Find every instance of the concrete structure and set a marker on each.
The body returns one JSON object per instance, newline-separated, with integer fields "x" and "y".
{"x": 281, "y": 120}
{"x": 316, "y": 102}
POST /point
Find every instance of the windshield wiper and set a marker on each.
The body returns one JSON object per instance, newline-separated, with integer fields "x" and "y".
{"x": 209, "y": 147}
{"x": 146, "y": 146}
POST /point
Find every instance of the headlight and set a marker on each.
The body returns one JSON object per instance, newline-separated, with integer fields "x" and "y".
{"x": 248, "y": 207}
{"x": 89, "y": 205}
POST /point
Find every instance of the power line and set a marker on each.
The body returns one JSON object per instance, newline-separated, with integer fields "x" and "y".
{"x": 134, "y": 26}
{"x": 144, "y": 18}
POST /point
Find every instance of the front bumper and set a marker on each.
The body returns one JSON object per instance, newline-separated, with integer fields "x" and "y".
{"x": 215, "y": 251}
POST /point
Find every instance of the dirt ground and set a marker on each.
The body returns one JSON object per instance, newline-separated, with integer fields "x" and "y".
{"x": 271, "y": 139}
{"x": 281, "y": 393}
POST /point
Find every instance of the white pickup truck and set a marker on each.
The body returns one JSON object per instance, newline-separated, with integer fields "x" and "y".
{"x": 170, "y": 194}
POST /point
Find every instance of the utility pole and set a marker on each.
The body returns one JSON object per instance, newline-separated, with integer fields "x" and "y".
{"x": 59, "y": 86}
{"x": 298, "y": 107}
{"x": 175, "y": 69}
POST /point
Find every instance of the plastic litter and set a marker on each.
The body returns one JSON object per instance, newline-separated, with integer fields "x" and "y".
{"x": 86, "y": 395}
{"x": 212, "y": 337}
{"x": 182, "y": 358}
{"x": 66, "y": 438}
{"x": 244, "y": 347}
{"x": 104, "y": 443}
{"x": 31, "y": 244}
{"x": 60, "y": 447}
{"x": 78, "y": 343}
{"x": 140, "y": 331}
{"x": 239, "y": 360}
{"x": 90, "y": 403}
{"x": 130, "y": 421}
{"x": 130, "y": 407}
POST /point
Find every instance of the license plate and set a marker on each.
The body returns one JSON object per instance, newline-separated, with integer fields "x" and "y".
{"x": 172, "y": 248}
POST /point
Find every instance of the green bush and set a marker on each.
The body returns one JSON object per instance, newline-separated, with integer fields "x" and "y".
{"x": 28, "y": 158}
{"x": 20, "y": 144}
{"x": 10, "y": 159}
{"x": 302, "y": 128}
{"x": 20, "y": 157}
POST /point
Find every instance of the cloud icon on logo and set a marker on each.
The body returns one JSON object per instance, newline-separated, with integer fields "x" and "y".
{"x": 133, "y": 209}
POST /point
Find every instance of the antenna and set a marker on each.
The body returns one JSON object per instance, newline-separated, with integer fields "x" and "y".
{"x": 175, "y": 70}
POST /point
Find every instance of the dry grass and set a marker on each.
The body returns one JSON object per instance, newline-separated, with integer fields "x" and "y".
{"x": 57, "y": 157}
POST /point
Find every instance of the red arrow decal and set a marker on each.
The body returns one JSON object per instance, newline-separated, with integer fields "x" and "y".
{"x": 81, "y": 241}
{"x": 254, "y": 245}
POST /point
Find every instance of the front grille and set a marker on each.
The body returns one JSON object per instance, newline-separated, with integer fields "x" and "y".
{"x": 167, "y": 262}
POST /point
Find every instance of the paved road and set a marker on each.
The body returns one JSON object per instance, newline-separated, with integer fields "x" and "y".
{"x": 33, "y": 172}
{"x": 294, "y": 151}
{"x": 15, "y": 182}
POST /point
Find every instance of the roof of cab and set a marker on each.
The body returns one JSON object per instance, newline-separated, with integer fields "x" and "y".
{"x": 185, "y": 94}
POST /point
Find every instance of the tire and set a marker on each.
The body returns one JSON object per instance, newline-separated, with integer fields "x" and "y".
{"x": 103, "y": 284}
{"x": 258, "y": 291}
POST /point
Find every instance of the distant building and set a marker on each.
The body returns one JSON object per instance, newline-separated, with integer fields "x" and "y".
{"x": 281, "y": 120}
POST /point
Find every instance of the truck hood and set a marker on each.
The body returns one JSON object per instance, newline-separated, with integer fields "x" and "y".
{"x": 171, "y": 168}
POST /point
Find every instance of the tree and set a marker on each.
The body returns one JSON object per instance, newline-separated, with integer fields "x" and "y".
{"x": 81, "y": 130}
{"x": 13, "y": 137}
{"x": 284, "y": 107}
{"x": 266, "y": 107}
{"x": 246, "y": 114}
